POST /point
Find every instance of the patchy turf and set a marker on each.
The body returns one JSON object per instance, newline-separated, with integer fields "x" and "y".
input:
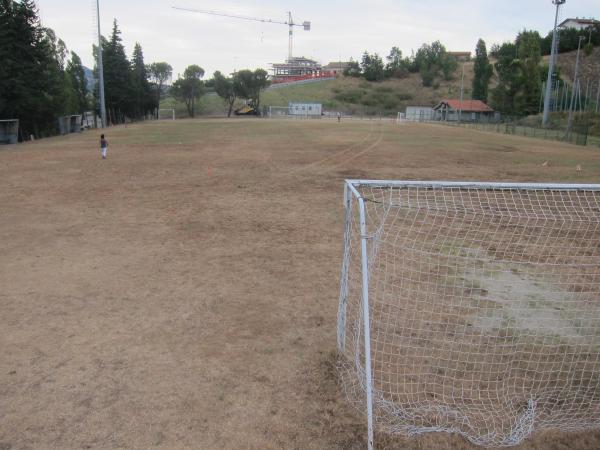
{"x": 183, "y": 292}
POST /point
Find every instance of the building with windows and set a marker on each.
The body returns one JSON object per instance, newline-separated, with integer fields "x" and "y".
{"x": 461, "y": 56}
{"x": 298, "y": 69}
{"x": 578, "y": 24}
{"x": 305, "y": 109}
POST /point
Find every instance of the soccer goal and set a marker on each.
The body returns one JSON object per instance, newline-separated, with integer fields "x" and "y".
{"x": 9, "y": 131}
{"x": 401, "y": 118}
{"x": 166, "y": 114}
{"x": 471, "y": 308}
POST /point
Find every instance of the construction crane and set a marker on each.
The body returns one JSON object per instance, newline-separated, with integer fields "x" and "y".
{"x": 290, "y": 22}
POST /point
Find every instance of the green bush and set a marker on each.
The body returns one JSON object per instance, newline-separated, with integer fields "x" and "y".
{"x": 384, "y": 89}
{"x": 350, "y": 96}
{"x": 401, "y": 96}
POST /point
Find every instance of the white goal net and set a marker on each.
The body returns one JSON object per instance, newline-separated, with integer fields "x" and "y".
{"x": 9, "y": 131}
{"x": 471, "y": 308}
{"x": 166, "y": 114}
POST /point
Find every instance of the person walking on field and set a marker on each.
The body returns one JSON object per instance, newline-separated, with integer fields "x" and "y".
{"x": 103, "y": 146}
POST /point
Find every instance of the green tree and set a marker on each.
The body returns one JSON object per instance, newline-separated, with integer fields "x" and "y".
{"x": 78, "y": 82}
{"x": 32, "y": 82}
{"x": 189, "y": 88}
{"x": 144, "y": 101}
{"x": 397, "y": 66}
{"x": 248, "y": 84}
{"x": 224, "y": 87}
{"x": 433, "y": 61}
{"x": 507, "y": 67}
{"x": 118, "y": 85}
{"x": 372, "y": 67}
{"x": 530, "y": 80}
{"x": 353, "y": 69}
{"x": 483, "y": 72}
{"x": 160, "y": 73}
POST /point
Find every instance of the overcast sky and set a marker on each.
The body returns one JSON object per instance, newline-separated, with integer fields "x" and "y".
{"x": 340, "y": 29}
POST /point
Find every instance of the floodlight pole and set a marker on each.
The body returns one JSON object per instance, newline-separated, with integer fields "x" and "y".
{"x": 462, "y": 83}
{"x": 575, "y": 89}
{"x": 291, "y": 35}
{"x": 100, "y": 69}
{"x": 553, "y": 50}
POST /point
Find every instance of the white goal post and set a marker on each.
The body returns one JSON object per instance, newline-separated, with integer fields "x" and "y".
{"x": 9, "y": 131}
{"x": 471, "y": 308}
{"x": 401, "y": 118}
{"x": 167, "y": 113}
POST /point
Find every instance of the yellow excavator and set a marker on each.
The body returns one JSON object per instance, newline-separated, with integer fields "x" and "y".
{"x": 247, "y": 110}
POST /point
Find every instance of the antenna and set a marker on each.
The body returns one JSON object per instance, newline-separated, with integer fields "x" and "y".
{"x": 290, "y": 22}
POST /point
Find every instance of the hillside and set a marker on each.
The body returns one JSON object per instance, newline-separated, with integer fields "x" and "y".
{"x": 589, "y": 66}
{"x": 358, "y": 96}
{"x": 350, "y": 95}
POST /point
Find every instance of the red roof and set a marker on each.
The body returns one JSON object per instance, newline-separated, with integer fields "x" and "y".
{"x": 468, "y": 105}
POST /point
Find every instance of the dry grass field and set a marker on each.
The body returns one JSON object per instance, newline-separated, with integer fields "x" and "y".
{"x": 183, "y": 293}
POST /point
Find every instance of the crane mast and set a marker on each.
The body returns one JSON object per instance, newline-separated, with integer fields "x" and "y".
{"x": 290, "y": 22}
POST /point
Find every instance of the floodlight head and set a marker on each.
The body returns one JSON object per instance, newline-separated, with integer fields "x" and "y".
{"x": 306, "y": 25}
{"x": 559, "y": 2}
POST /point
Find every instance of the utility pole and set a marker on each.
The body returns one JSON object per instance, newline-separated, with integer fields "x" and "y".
{"x": 462, "y": 85}
{"x": 598, "y": 96}
{"x": 575, "y": 90}
{"x": 100, "y": 69}
{"x": 552, "y": 61}
{"x": 291, "y": 27}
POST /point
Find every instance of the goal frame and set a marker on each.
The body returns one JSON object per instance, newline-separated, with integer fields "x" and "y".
{"x": 9, "y": 140}
{"x": 172, "y": 110}
{"x": 352, "y": 193}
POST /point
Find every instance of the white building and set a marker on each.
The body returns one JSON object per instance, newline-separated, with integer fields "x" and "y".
{"x": 419, "y": 113}
{"x": 577, "y": 23}
{"x": 305, "y": 109}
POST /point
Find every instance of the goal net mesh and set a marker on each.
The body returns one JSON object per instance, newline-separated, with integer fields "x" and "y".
{"x": 166, "y": 114}
{"x": 484, "y": 309}
{"x": 9, "y": 131}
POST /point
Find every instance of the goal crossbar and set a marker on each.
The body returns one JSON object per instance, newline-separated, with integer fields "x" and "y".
{"x": 471, "y": 307}
{"x": 470, "y": 184}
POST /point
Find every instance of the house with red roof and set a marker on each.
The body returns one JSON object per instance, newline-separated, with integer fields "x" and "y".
{"x": 578, "y": 24}
{"x": 465, "y": 111}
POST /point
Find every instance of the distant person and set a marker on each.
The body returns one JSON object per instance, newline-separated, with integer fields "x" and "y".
{"x": 103, "y": 146}
{"x": 339, "y": 116}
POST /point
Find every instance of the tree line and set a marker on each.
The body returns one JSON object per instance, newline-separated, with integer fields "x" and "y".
{"x": 39, "y": 78}
{"x": 517, "y": 67}
{"x": 569, "y": 40}
{"x": 431, "y": 61}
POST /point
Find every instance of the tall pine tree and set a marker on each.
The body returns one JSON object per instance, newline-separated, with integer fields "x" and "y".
{"x": 483, "y": 72}
{"x": 78, "y": 82}
{"x": 31, "y": 77}
{"x": 530, "y": 56}
{"x": 143, "y": 97}
{"x": 118, "y": 84}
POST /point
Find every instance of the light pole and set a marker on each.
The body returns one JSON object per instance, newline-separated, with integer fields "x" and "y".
{"x": 575, "y": 90}
{"x": 462, "y": 83}
{"x": 100, "y": 70}
{"x": 553, "y": 50}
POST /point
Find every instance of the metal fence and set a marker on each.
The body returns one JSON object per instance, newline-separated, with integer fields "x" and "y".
{"x": 578, "y": 136}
